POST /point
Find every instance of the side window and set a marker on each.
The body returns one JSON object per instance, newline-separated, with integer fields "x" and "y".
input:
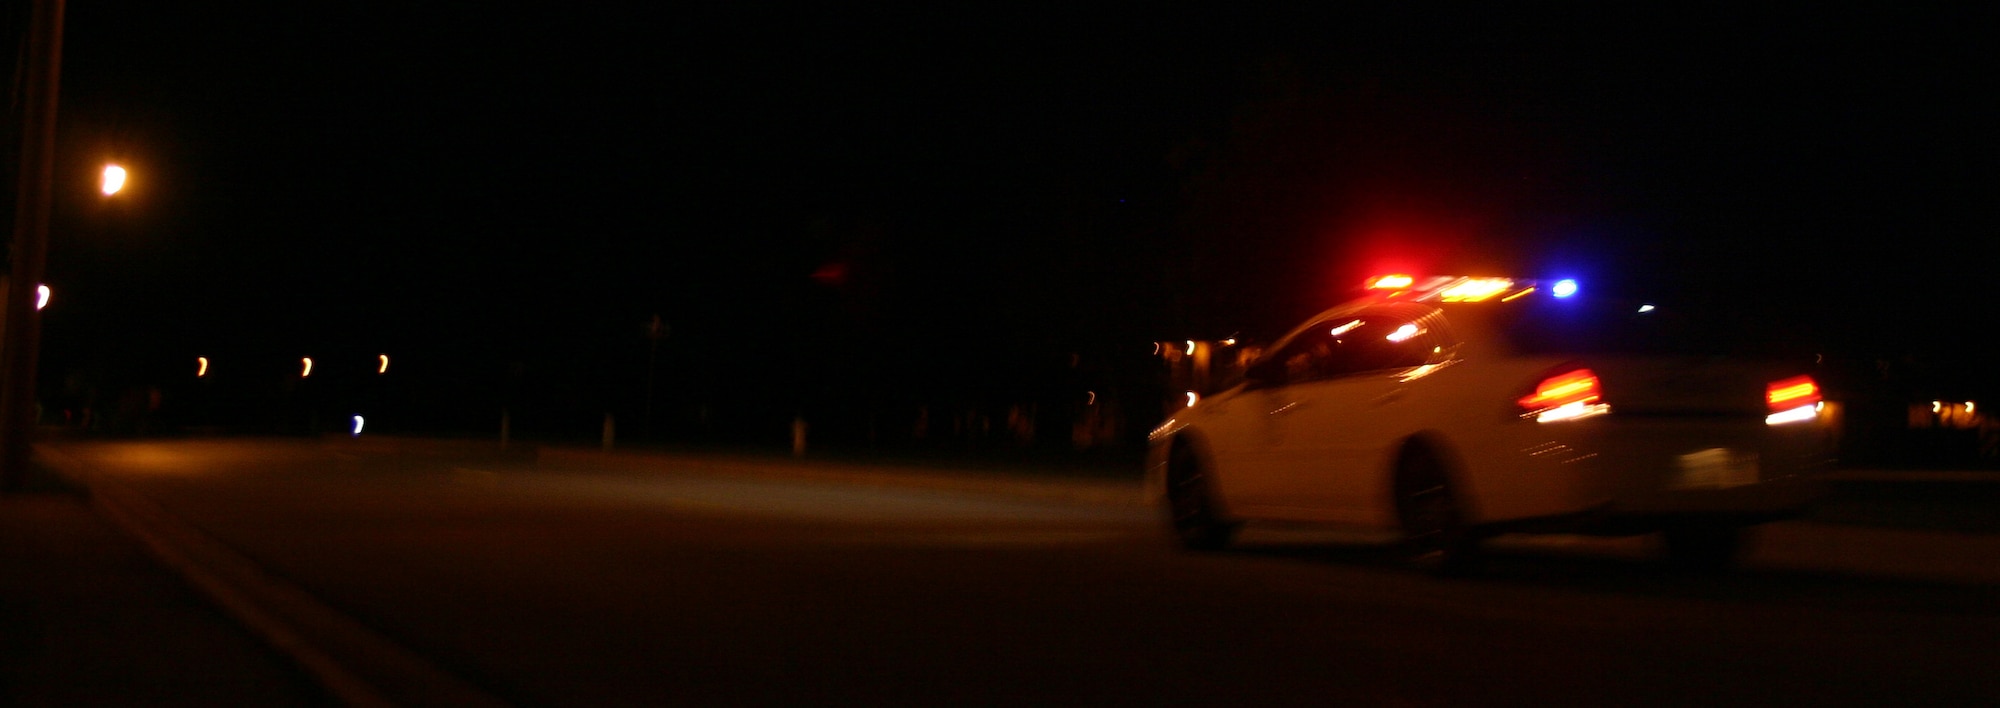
{"x": 1305, "y": 357}
{"x": 1386, "y": 340}
{"x": 1397, "y": 336}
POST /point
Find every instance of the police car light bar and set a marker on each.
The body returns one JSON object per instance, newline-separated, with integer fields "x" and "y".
{"x": 1448, "y": 288}
{"x": 1390, "y": 282}
{"x": 1474, "y": 289}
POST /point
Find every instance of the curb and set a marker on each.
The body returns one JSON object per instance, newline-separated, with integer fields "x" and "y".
{"x": 356, "y": 665}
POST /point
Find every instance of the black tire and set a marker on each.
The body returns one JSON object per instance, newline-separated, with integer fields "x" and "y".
{"x": 1432, "y": 514}
{"x": 1703, "y": 547}
{"x": 1191, "y": 508}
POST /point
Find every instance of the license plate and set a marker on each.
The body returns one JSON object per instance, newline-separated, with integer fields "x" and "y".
{"x": 1716, "y": 468}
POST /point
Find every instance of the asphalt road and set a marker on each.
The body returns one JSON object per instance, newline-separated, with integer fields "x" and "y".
{"x": 435, "y": 573}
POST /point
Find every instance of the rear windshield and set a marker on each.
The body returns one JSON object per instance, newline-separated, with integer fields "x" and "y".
{"x": 1612, "y": 326}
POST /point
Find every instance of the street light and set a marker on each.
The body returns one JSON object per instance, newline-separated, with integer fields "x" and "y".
{"x": 114, "y": 180}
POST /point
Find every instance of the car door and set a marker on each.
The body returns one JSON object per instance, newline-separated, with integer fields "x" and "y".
{"x": 1254, "y": 480}
{"x": 1332, "y": 433}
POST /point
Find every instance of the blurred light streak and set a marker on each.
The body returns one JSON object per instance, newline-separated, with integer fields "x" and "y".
{"x": 1792, "y": 389}
{"x": 1475, "y": 289}
{"x": 1796, "y": 415}
{"x": 384, "y": 368}
{"x": 42, "y": 293}
{"x": 1566, "y": 396}
{"x": 201, "y": 366}
{"x": 308, "y": 361}
{"x": 1572, "y": 411}
{"x": 1419, "y": 372}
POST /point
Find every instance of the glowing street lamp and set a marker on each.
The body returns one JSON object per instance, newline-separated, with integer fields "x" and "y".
{"x": 114, "y": 180}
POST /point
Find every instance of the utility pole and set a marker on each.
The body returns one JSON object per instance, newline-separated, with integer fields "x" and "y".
{"x": 20, "y": 344}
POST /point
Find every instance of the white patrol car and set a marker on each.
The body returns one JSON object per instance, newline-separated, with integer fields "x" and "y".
{"x": 1455, "y": 408}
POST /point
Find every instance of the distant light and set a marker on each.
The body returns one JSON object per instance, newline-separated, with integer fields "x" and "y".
{"x": 1190, "y": 348}
{"x": 384, "y": 368}
{"x": 41, "y": 296}
{"x": 1092, "y": 400}
{"x": 201, "y": 366}
{"x": 1937, "y": 406}
{"x": 1344, "y": 329}
{"x": 1156, "y": 349}
{"x": 1563, "y": 288}
{"x": 114, "y": 180}
{"x": 1404, "y": 332}
{"x": 1230, "y": 342}
{"x": 309, "y": 367}
{"x": 1191, "y": 398}
{"x": 357, "y": 425}
{"x": 1648, "y": 307}
{"x": 1391, "y": 282}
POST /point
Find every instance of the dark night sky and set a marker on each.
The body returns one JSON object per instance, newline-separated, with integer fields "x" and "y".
{"x": 471, "y": 184}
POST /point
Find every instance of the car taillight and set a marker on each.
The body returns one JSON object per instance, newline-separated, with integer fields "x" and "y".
{"x": 1793, "y": 400}
{"x": 1569, "y": 395}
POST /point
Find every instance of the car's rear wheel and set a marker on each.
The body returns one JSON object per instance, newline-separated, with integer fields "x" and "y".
{"x": 1432, "y": 514}
{"x": 1705, "y": 547}
{"x": 1191, "y": 509}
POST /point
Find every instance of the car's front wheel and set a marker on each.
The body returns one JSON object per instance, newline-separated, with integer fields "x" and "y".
{"x": 1196, "y": 521}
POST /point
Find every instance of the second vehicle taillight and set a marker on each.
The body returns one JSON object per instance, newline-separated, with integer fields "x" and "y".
{"x": 1569, "y": 395}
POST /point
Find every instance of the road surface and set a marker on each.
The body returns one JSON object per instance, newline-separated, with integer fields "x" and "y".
{"x": 434, "y": 573}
